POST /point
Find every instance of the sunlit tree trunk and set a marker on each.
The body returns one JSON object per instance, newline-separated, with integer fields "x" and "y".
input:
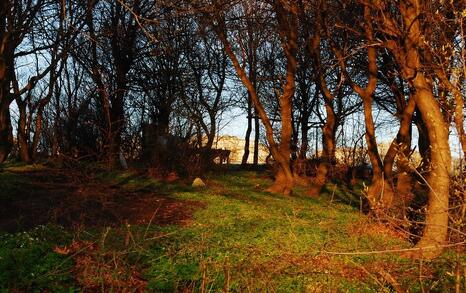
{"x": 255, "y": 157}
{"x": 330, "y": 125}
{"x": 380, "y": 193}
{"x": 438, "y": 179}
{"x": 399, "y": 151}
{"x": 287, "y": 21}
{"x": 408, "y": 57}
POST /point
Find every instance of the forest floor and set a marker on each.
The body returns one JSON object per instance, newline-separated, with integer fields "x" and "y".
{"x": 88, "y": 230}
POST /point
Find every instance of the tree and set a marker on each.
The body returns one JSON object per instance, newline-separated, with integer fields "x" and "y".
{"x": 17, "y": 19}
{"x": 406, "y": 38}
{"x": 380, "y": 193}
{"x": 56, "y": 37}
{"x": 205, "y": 99}
{"x": 111, "y": 28}
{"x": 285, "y": 13}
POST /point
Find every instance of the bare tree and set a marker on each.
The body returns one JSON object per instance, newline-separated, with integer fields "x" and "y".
{"x": 17, "y": 19}
{"x": 406, "y": 38}
{"x": 286, "y": 27}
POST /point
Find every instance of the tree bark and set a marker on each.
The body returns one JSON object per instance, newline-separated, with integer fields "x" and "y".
{"x": 247, "y": 137}
{"x": 330, "y": 126}
{"x": 255, "y": 158}
{"x": 438, "y": 179}
{"x": 402, "y": 143}
{"x": 408, "y": 56}
{"x": 400, "y": 149}
{"x": 6, "y": 131}
{"x": 23, "y": 133}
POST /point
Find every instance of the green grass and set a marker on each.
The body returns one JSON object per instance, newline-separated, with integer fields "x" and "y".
{"x": 28, "y": 262}
{"x": 244, "y": 239}
{"x": 248, "y": 232}
{"x": 10, "y": 184}
{"x": 20, "y": 167}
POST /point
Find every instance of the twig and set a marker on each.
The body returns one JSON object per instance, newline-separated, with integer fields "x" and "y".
{"x": 394, "y": 250}
{"x": 390, "y": 279}
{"x": 150, "y": 222}
{"x": 420, "y": 276}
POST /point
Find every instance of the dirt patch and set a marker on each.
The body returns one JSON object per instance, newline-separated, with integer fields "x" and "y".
{"x": 56, "y": 196}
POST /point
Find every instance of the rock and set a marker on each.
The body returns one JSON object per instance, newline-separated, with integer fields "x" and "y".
{"x": 198, "y": 183}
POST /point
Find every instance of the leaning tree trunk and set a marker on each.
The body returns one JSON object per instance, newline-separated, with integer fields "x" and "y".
{"x": 255, "y": 157}
{"x": 284, "y": 180}
{"x": 379, "y": 193}
{"x": 438, "y": 179}
{"x": 399, "y": 150}
{"x": 408, "y": 56}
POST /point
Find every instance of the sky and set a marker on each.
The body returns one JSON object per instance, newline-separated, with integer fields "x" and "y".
{"x": 234, "y": 123}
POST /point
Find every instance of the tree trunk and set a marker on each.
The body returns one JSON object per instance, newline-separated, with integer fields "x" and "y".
{"x": 37, "y": 131}
{"x": 328, "y": 150}
{"x": 400, "y": 149}
{"x": 402, "y": 143}
{"x": 304, "y": 138}
{"x": 281, "y": 153}
{"x": 257, "y": 132}
{"x": 117, "y": 117}
{"x": 6, "y": 131}
{"x": 329, "y": 129}
{"x": 409, "y": 59}
{"x": 379, "y": 193}
{"x": 438, "y": 179}
{"x": 247, "y": 137}
{"x": 6, "y": 56}
{"x": 23, "y": 135}
{"x": 422, "y": 142}
{"x": 284, "y": 179}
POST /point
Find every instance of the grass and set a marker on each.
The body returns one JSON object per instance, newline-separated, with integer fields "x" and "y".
{"x": 242, "y": 240}
{"x": 28, "y": 262}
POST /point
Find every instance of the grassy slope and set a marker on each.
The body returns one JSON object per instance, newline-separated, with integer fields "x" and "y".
{"x": 244, "y": 239}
